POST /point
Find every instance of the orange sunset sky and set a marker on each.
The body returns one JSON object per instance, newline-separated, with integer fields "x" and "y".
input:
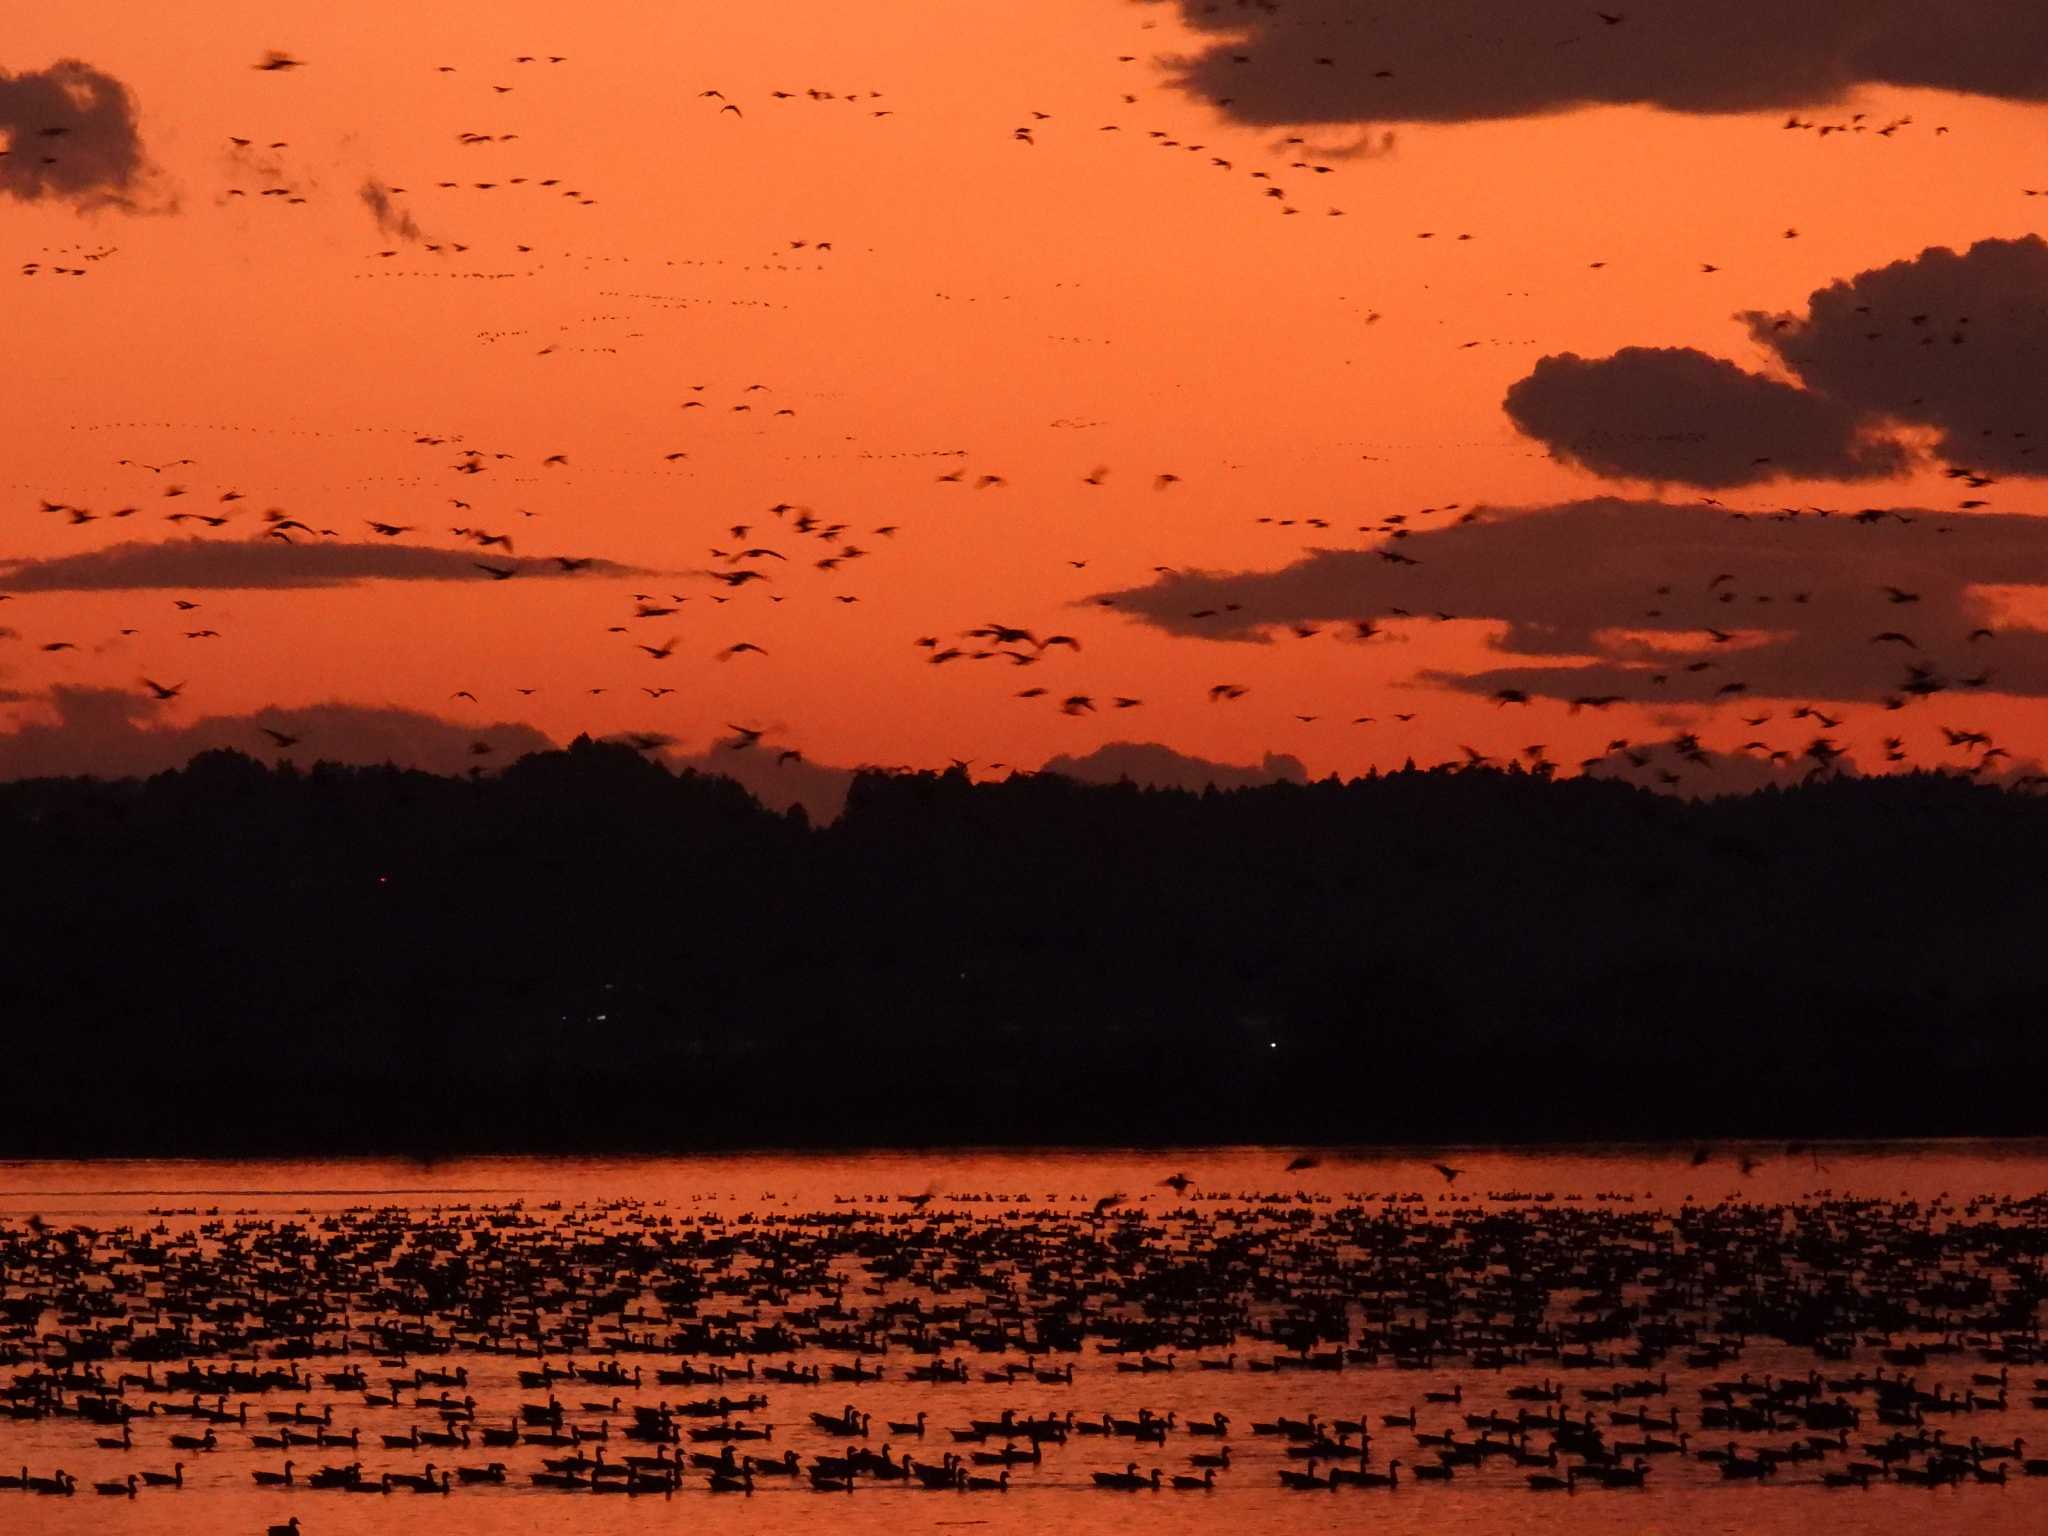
{"x": 1054, "y": 250}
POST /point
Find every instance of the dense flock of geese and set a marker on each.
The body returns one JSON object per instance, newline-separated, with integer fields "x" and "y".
{"x": 1285, "y": 1343}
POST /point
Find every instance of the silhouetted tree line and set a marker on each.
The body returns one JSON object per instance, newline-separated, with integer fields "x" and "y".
{"x": 587, "y": 951}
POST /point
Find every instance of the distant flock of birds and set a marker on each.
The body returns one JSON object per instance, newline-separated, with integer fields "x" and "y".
{"x": 738, "y": 568}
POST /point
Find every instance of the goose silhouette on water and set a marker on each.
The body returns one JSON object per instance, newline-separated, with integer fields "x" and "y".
{"x": 1339, "y": 1476}
{"x": 1303, "y": 1482}
{"x": 849, "y": 1421}
{"x": 944, "y": 1475}
{"x": 1128, "y": 1480}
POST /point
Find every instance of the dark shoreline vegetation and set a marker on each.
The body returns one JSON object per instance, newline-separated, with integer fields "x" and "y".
{"x": 588, "y": 953}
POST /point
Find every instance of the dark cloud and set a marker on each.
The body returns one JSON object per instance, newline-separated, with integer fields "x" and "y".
{"x": 267, "y": 562}
{"x": 819, "y": 788}
{"x": 391, "y": 219}
{"x": 1461, "y": 60}
{"x": 1670, "y": 413}
{"x": 1160, "y": 767}
{"x": 1681, "y": 767}
{"x": 114, "y": 734}
{"x": 1955, "y": 345}
{"x": 1953, "y": 342}
{"x": 69, "y": 134}
{"x": 1575, "y": 589}
{"x": 822, "y": 788}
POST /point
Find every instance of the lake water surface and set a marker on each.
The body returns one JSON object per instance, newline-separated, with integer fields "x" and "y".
{"x": 1679, "y": 1285}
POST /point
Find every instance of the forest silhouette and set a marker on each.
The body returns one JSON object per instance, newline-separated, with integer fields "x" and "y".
{"x": 588, "y": 952}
